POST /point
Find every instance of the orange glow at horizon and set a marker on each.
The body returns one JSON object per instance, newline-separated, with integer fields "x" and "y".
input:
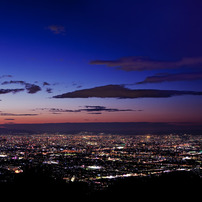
{"x": 105, "y": 117}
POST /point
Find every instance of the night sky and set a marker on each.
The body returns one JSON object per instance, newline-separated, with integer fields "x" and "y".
{"x": 100, "y": 61}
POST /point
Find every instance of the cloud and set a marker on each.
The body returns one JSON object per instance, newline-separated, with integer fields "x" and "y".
{"x": 95, "y": 113}
{"x": 139, "y": 63}
{"x": 102, "y": 108}
{"x": 5, "y": 91}
{"x": 77, "y": 85}
{"x": 31, "y": 88}
{"x": 56, "y": 29}
{"x": 56, "y": 110}
{"x": 46, "y": 83}
{"x": 5, "y": 76}
{"x": 172, "y": 77}
{"x": 13, "y": 82}
{"x": 89, "y": 109}
{"x": 11, "y": 114}
{"x": 49, "y": 90}
{"x": 119, "y": 91}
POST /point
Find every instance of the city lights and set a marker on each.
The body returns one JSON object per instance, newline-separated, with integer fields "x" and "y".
{"x": 97, "y": 158}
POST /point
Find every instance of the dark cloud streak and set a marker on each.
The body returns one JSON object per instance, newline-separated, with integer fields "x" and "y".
{"x": 139, "y": 63}
{"x": 5, "y": 91}
{"x": 102, "y": 108}
{"x": 89, "y": 109}
{"x": 172, "y": 77}
{"x": 11, "y": 114}
{"x": 119, "y": 91}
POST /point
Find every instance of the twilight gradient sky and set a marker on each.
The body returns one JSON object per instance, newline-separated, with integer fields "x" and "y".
{"x": 100, "y": 61}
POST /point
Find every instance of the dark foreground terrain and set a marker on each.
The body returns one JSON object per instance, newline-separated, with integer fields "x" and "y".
{"x": 40, "y": 186}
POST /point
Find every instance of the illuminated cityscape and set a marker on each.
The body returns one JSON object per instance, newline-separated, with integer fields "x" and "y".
{"x": 100, "y": 99}
{"x": 98, "y": 159}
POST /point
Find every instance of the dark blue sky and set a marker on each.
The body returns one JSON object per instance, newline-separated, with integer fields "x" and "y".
{"x": 119, "y": 46}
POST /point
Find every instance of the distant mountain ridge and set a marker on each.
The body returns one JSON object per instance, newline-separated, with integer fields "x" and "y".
{"x": 128, "y": 128}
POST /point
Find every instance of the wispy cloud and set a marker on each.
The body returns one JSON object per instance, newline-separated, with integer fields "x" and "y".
{"x": 88, "y": 109}
{"x": 159, "y": 78}
{"x": 5, "y": 91}
{"x": 31, "y": 88}
{"x": 56, "y": 29}
{"x": 104, "y": 109}
{"x": 6, "y": 76}
{"x": 12, "y": 114}
{"x": 139, "y": 63}
{"x": 49, "y": 90}
{"x": 120, "y": 91}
